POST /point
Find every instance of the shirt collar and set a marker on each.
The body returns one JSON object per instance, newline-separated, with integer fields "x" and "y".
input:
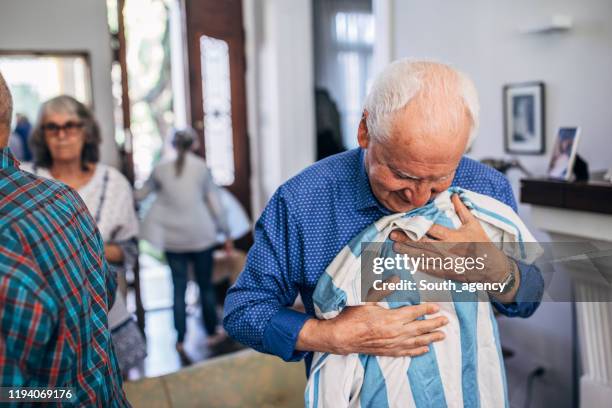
{"x": 7, "y": 159}
{"x": 364, "y": 197}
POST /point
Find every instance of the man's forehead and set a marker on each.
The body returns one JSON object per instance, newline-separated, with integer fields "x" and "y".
{"x": 406, "y": 163}
{"x": 435, "y": 136}
{"x": 423, "y": 173}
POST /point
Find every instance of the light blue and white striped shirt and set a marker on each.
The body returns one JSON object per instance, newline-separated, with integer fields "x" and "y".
{"x": 464, "y": 370}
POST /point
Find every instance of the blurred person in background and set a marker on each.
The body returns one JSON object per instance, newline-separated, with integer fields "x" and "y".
{"x": 19, "y": 139}
{"x": 184, "y": 221}
{"x": 65, "y": 144}
{"x": 23, "y": 129}
{"x": 16, "y": 146}
{"x": 55, "y": 287}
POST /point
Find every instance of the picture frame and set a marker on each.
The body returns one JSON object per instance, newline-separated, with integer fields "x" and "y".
{"x": 561, "y": 164}
{"x": 524, "y": 118}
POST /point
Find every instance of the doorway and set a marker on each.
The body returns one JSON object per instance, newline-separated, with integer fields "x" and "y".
{"x": 216, "y": 80}
{"x": 344, "y": 38}
{"x": 185, "y": 62}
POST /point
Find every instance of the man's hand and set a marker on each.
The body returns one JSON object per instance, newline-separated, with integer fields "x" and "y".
{"x": 469, "y": 240}
{"x": 374, "y": 330}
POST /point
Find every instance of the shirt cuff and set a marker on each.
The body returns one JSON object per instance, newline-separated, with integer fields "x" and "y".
{"x": 528, "y": 294}
{"x": 282, "y": 332}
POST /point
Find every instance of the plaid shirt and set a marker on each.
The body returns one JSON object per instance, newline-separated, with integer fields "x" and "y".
{"x": 55, "y": 291}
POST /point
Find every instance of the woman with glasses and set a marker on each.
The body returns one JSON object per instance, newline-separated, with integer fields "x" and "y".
{"x": 65, "y": 144}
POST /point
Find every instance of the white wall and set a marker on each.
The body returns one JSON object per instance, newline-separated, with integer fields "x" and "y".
{"x": 67, "y": 25}
{"x": 280, "y": 92}
{"x": 384, "y": 34}
{"x": 481, "y": 37}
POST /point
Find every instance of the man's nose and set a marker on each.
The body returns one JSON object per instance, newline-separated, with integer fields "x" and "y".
{"x": 419, "y": 195}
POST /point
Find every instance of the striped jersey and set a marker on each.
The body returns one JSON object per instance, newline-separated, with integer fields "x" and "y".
{"x": 466, "y": 368}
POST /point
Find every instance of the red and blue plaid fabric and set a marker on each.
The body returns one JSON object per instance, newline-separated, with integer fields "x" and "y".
{"x": 55, "y": 292}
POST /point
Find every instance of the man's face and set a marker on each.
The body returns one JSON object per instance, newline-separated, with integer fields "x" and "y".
{"x": 412, "y": 167}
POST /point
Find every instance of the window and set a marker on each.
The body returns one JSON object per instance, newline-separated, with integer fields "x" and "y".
{"x": 36, "y": 77}
{"x": 354, "y": 28}
{"x": 217, "y": 105}
{"x": 344, "y": 41}
{"x": 354, "y": 39}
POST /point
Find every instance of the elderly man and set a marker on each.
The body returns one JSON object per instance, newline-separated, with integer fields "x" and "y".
{"x": 418, "y": 120}
{"x": 55, "y": 290}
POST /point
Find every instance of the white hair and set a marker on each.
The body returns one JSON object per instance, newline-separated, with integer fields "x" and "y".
{"x": 429, "y": 82}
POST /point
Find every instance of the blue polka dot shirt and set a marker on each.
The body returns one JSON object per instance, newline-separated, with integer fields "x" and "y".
{"x": 306, "y": 223}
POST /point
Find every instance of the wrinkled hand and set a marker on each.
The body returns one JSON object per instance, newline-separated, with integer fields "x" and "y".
{"x": 469, "y": 240}
{"x": 372, "y": 329}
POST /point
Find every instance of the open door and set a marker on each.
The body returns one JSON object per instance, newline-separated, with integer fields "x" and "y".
{"x": 216, "y": 61}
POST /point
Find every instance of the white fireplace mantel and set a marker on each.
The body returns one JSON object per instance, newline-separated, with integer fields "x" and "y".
{"x": 594, "y": 318}
{"x": 572, "y": 223}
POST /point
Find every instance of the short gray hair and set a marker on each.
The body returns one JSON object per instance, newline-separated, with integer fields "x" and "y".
{"x": 69, "y": 105}
{"x": 6, "y": 105}
{"x": 405, "y": 80}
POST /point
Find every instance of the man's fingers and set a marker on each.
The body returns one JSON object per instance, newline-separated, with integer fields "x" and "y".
{"x": 408, "y": 248}
{"x": 417, "y": 351}
{"x": 425, "y": 339}
{"x": 416, "y": 249}
{"x": 413, "y": 312}
{"x": 420, "y": 327}
{"x": 375, "y": 296}
{"x": 439, "y": 232}
{"x": 399, "y": 236}
{"x": 462, "y": 211}
{"x": 412, "y": 347}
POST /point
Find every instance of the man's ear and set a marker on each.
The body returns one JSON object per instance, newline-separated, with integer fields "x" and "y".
{"x": 363, "y": 137}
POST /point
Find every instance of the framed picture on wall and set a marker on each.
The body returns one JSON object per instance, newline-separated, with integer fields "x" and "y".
{"x": 524, "y": 127}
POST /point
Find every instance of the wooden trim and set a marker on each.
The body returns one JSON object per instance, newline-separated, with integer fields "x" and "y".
{"x": 128, "y": 151}
{"x": 128, "y": 147}
{"x": 224, "y": 22}
{"x": 125, "y": 98}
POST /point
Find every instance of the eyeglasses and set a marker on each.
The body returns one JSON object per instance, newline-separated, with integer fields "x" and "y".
{"x": 70, "y": 128}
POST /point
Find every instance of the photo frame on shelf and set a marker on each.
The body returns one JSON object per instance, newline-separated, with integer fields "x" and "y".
{"x": 561, "y": 163}
{"x": 524, "y": 118}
